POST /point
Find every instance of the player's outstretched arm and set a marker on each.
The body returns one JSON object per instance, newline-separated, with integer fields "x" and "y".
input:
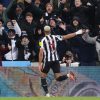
{"x": 71, "y": 35}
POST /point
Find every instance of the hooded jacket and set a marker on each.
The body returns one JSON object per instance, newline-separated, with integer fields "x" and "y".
{"x": 84, "y": 50}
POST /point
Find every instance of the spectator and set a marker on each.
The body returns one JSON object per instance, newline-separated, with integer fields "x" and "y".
{"x": 14, "y": 11}
{"x": 85, "y": 13}
{"x": 12, "y": 24}
{"x": 50, "y": 13}
{"x": 13, "y": 31}
{"x": 84, "y": 50}
{"x": 34, "y": 8}
{"x": 93, "y": 40}
{"x": 74, "y": 26}
{"x": 19, "y": 13}
{"x": 54, "y": 27}
{"x": 29, "y": 26}
{"x": 39, "y": 4}
{"x": 39, "y": 34}
{"x": 9, "y": 24}
{"x": 25, "y": 49}
{"x": 65, "y": 15}
{"x": 17, "y": 10}
{"x": 68, "y": 58}
{"x": 11, "y": 43}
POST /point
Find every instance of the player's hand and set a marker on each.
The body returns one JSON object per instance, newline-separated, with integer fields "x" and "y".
{"x": 81, "y": 31}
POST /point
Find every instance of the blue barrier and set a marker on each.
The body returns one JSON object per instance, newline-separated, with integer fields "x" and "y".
{"x": 16, "y": 63}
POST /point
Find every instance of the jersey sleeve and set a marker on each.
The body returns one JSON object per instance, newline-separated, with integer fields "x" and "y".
{"x": 59, "y": 37}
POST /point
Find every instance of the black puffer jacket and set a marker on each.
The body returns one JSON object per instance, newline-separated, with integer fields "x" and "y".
{"x": 29, "y": 28}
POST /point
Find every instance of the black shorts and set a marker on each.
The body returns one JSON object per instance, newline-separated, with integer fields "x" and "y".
{"x": 54, "y": 65}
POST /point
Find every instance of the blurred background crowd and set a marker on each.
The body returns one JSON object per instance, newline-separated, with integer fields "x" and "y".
{"x": 22, "y": 23}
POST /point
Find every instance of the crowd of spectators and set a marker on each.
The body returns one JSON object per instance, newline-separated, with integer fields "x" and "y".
{"x": 22, "y": 23}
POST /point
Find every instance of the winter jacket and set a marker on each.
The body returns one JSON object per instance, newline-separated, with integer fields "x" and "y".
{"x": 84, "y": 50}
{"x": 25, "y": 52}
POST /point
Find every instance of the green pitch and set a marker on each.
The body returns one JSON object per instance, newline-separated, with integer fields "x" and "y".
{"x": 53, "y": 98}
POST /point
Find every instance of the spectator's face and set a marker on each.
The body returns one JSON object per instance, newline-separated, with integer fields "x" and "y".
{"x": 39, "y": 31}
{"x": 49, "y": 8}
{"x": 11, "y": 35}
{"x": 29, "y": 19}
{"x": 37, "y": 3}
{"x": 1, "y": 8}
{"x": 9, "y": 25}
{"x": 75, "y": 23}
{"x": 25, "y": 41}
{"x": 78, "y": 3}
{"x": 52, "y": 23}
{"x": 19, "y": 10}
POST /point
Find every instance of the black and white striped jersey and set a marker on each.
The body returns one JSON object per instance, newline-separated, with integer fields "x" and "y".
{"x": 49, "y": 45}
